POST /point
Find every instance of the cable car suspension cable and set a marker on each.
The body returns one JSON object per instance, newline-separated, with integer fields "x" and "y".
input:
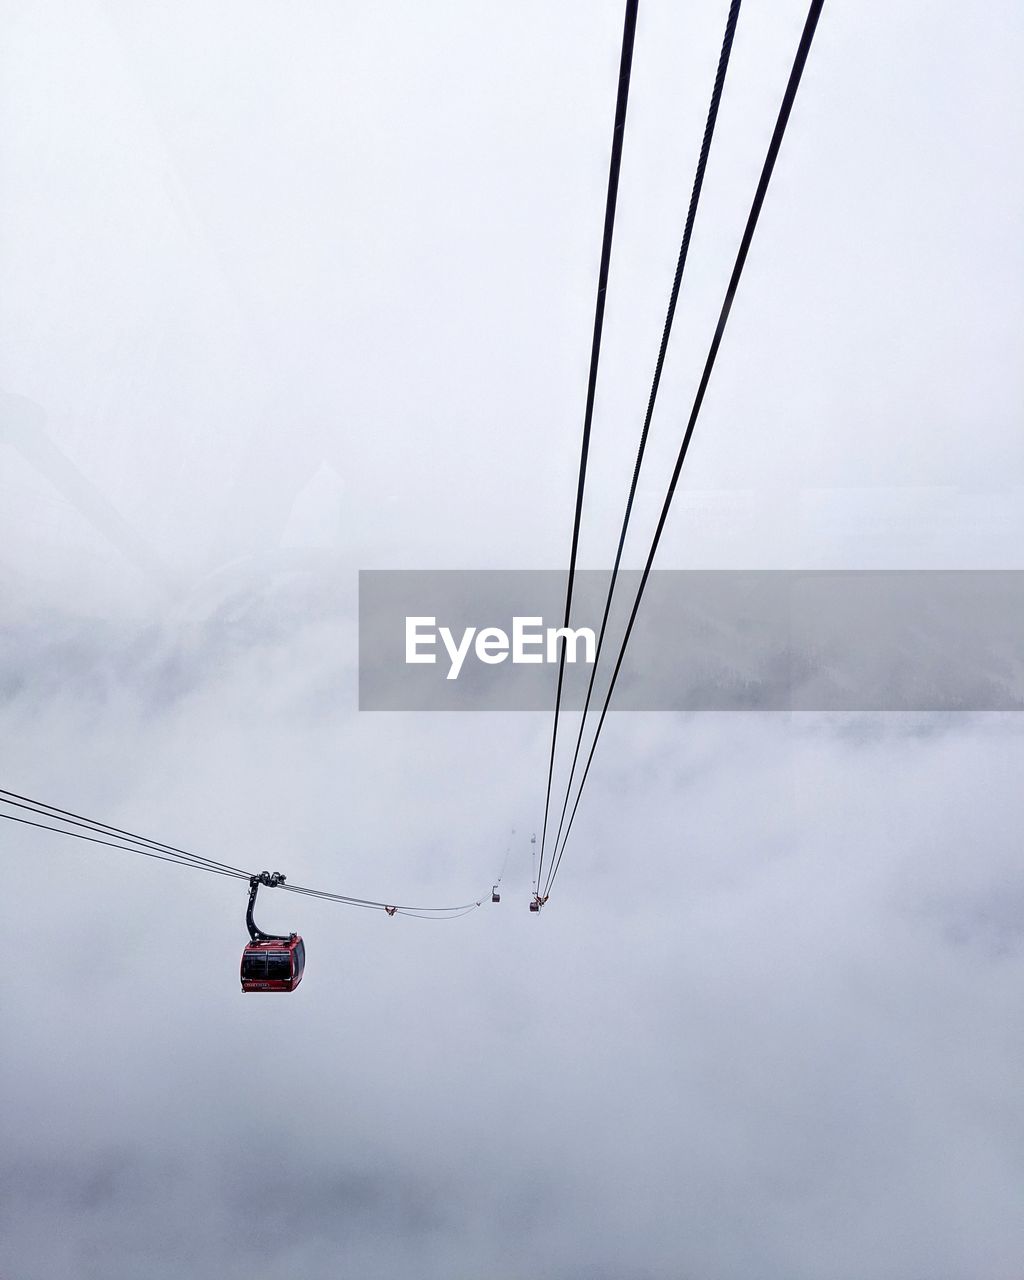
{"x": 793, "y": 84}
{"x": 147, "y": 848}
{"x": 625, "y": 66}
{"x": 431, "y": 913}
{"x": 698, "y": 183}
{"x": 146, "y": 853}
{"x": 15, "y": 800}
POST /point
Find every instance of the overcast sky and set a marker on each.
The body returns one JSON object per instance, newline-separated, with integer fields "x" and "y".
{"x": 287, "y": 291}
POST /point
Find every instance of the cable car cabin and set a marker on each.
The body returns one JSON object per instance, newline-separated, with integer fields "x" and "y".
{"x": 270, "y": 961}
{"x": 275, "y": 965}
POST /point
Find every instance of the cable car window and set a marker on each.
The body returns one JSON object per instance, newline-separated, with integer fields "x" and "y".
{"x": 254, "y": 965}
{"x": 279, "y": 964}
{"x": 300, "y": 956}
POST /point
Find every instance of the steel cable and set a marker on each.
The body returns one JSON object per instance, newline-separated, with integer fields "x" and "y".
{"x": 618, "y": 133}
{"x": 76, "y": 819}
{"x": 147, "y": 848}
{"x": 145, "y": 853}
{"x": 698, "y": 183}
{"x": 806, "y": 38}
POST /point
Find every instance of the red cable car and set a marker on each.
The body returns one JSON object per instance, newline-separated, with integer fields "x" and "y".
{"x": 271, "y": 962}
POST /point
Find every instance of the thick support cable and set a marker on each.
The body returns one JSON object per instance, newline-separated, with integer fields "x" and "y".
{"x": 618, "y": 133}
{"x": 789, "y": 97}
{"x": 116, "y": 838}
{"x": 145, "y": 853}
{"x": 698, "y": 183}
{"x": 67, "y": 816}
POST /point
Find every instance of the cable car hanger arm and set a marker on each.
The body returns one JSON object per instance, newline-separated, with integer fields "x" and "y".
{"x": 256, "y": 934}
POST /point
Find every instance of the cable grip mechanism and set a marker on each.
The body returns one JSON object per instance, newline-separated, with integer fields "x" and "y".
{"x": 271, "y": 879}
